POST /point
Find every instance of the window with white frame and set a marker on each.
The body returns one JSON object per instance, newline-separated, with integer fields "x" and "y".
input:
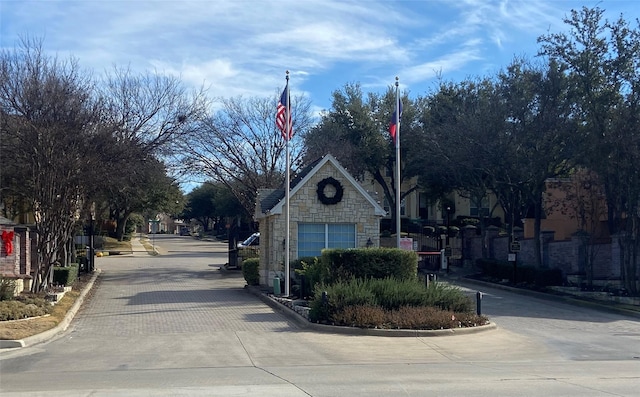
{"x": 482, "y": 211}
{"x": 403, "y": 206}
{"x": 314, "y": 237}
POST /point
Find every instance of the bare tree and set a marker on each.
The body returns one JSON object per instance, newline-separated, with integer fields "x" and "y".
{"x": 241, "y": 147}
{"x": 148, "y": 114}
{"x": 48, "y": 118}
{"x": 150, "y": 110}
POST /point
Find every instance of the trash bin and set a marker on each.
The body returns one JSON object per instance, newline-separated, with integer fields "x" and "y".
{"x": 276, "y": 285}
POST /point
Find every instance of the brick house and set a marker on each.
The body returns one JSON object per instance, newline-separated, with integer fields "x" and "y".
{"x": 328, "y": 209}
{"x": 15, "y": 254}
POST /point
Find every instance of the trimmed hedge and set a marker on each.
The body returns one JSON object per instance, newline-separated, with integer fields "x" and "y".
{"x": 65, "y": 275}
{"x": 251, "y": 271}
{"x": 344, "y": 264}
{"x": 524, "y": 274}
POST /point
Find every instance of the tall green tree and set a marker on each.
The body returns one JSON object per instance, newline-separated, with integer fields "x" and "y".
{"x": 210, "y": 203}
{"x": 354, "y": 131}
{"x": 461, "y": 122}
{"x": 144, "y": 187}
{"x": 601, "y": 59}
{"x": 540, "y": 133}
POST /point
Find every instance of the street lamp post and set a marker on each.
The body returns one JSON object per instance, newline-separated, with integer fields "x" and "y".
{"x": 91, "y": 261}
{"x": 447, "y": 248}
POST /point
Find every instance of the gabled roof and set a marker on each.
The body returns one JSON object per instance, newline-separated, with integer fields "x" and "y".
{"x": 274, "y": 202}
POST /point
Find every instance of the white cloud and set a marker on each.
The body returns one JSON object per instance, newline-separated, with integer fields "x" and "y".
{"x": 243, "y": 47}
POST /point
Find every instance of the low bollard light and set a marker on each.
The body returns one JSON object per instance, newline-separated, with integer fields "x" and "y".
{"x": 479, "y": 303}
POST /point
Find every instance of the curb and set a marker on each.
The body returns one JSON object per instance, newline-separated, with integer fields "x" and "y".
{"x": 64, "y": 324}
{"x": 304, "y": 323}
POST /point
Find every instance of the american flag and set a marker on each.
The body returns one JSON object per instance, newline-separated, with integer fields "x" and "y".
{"x": 284, "y": 107}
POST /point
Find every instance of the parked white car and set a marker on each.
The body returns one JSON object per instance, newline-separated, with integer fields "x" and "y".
{"x": 251, "y": 241}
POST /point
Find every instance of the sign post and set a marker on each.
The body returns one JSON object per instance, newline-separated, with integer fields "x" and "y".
{"x": 513, "y": 257}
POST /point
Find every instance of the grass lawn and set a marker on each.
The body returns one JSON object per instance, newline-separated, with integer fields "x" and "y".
{"x": 21, "y": 329}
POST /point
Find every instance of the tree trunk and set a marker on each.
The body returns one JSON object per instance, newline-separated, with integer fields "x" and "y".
{"x": 121, "y": 224}
{"x": 536, "y": 232}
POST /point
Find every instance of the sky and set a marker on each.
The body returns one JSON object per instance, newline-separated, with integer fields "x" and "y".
{"x": 244, "y": 47}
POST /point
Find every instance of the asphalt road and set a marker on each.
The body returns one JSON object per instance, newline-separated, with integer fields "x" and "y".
{"x": 175, "y": 325}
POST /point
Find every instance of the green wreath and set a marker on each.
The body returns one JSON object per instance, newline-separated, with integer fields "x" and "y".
{"x": 323, "y": 197}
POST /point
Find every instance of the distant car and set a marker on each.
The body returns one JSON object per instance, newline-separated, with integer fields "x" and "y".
{"x": 251, "y": 241}
{"x": 184, "y": 231}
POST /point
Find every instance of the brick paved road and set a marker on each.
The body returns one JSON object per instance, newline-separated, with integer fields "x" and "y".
{"x": 175, "y": 325}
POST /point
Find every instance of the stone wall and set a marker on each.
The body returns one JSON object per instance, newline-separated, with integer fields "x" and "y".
{"x": 567, "y": 255}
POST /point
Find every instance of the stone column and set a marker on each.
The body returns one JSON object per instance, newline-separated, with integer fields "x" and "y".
{"x": 546, "y": 236}
{"x": 467, "y": 234}
{"x": 25, "y": 249}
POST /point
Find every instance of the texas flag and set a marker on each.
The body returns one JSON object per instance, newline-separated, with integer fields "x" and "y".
{"x": 395, "y": 120}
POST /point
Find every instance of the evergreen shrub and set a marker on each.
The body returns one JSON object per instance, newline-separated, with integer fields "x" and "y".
{"x": 378, "y": 263}
{"x": 251, "y": 271}
{"x": 24, "y": 308}
{"x": 524, "y": 274}
{"x": 66, "y": 275}
{"x": 7, "y": 288}
{"x": 387, "y": 294}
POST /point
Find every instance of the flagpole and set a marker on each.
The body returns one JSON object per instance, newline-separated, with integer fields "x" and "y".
{"x": 287, "y": 183}
{"x": 397, "y": 121}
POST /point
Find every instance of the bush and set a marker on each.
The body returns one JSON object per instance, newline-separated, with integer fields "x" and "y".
{"x": 524, "y": 274}
{"x": 391, "y": 294}
{"x": 344, "y": 264}
{"x": 312, "y": 272}
{"x": 308, "y": 274}
{"x": 340, "y": 295}
{"x": 387, "y": 294}
{"x": 24, "y": 308}
{"x": 406, "y": 317}
{"x": 251, "y": 271}
{"x": 65, "y": 275}
{"x": 7, "y": 288}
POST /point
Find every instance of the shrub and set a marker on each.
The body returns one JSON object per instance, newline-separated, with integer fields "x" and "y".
{"x": 65, "y": 275}
{"x": 406, "y": 317}
{"x": 340, "y": 295}
{"x": 308, "y": 273}
{"x": 362, "y": 316}
{"x": 344, "y": 264}
{"x": 7, "y": 288}
{"x": 387, "y": 294}
{"x": 391, "y": 294}
{"x": 23, "y": 308}
{"x": 448, "y": 297}
{"x": 547, "y": 277}
{"x": 313, "y": 272}
{"x": 251, "y": 271}
{"x": 524, "y": 274}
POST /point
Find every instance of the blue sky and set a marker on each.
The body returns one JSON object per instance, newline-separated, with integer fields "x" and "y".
{"x": 243, "y": 47}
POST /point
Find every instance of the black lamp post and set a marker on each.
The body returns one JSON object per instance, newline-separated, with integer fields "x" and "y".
{"x": 447, "y": 248}
{"x": 91, "y": 259}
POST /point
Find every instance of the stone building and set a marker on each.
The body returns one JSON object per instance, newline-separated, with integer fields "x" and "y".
{"x": 328, "y": 209}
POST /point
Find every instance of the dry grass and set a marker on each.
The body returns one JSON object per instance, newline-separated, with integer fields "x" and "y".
{"x": 11, "y": 330}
